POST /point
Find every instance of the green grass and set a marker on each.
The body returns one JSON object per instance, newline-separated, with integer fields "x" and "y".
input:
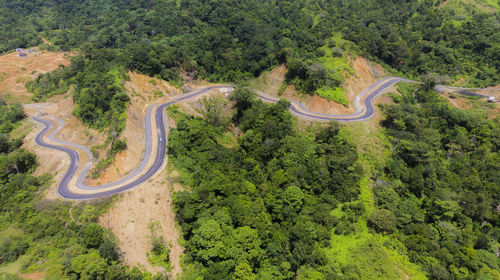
{"x": 365, "y": 254}
{"x": 14, "y": 267}
{"x": 22, "y": 129}
{"x": 336, "y": 63}
{"x": 460, "y": 10}
{"x": 370, "y": 255}
{"x": 23, "y": 79}
{"x": 227, "y": 139}
{"x": 157, "y": 93}
{"x": 174, "y": 113}
{"x": 4, "y": 76}
{"x": 339, "y": 65}
{"x": 337, "y": 94}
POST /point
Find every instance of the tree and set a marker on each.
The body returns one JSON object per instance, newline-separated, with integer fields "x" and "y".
{"x": 383, "y": 221}
{"x": 214, "y": 111}
{"x": 294, "y": 196}
{"x": 91, "y": 235}
{"x": 89, "y": 266}
{"x": 207, "y": 240}
{"x": 108, "y": 250}
{"x": 243, "y": 271}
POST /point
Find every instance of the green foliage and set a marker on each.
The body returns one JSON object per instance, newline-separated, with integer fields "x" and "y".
{"x": 91, "y": 235}
{"x": 99, "y": 94}
{"x": 336, "y": 95}
{"x": 417, "y": 37}
{"x": 160, "y": 252}
{"x": 383, "y": 221}
{"x": 118, "y": 146}
{"x": 9, "y": 115}
{"x": 260, "y": 209}
{"x": 38, "y": 234}
{"x": 214, "y": 111}
{"x": 48, "y": 84}
{"x": 11, "y": 248}
{"x": 237, "y": 40}
{"x": 443, "y": 185}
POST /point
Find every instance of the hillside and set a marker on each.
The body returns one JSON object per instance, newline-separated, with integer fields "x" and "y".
{"x": 15, "y": 71}
{"x": 245, "y": 140}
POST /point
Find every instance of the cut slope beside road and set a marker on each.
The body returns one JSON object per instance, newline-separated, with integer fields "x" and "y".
{"x": 362, "y": 113}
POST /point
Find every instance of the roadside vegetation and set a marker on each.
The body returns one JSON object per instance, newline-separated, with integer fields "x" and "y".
{"x": 96, "y": 79}
{"x": 60, "y": 239}
{"x": 416, "y": 197}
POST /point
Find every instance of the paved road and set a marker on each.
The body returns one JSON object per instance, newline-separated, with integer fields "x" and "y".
{"x": 83, "y": 174}
{"x": 362, "y": 113}
{"x": 63, "y": 187}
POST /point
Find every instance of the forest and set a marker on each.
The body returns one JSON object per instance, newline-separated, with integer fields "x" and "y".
{"x": 435, "y": 195}
{"x": 233, "y": 40}
{"x": 442, "y": 187}
{"x": 259, "y": 207}
{"x": 266, "y": 196}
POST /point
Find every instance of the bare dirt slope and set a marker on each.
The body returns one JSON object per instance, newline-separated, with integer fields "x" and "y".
{"x": 143, "y": 91}
{"x": 55, "y": 162}
{"x": 131, "y": 216}
{"x": 366, "y": 73}
{"x": 15, "y": 71}
{"x": 465, "y": 103}
{"x": 150, "y": 202}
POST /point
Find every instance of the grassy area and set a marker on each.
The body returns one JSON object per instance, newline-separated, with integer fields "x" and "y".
{"x": 336, "y": 55}
{"x": 14, "y": 268}
{"x": 362, "y": 253}
{"x": 4, "y": 76}
{"x": 337, "y": 94}
{"x": 22, "y": 130}
{"x": 174, "y": 113}
{"x": 336, "y": 59}
{"x": 461, "y": 9}
{"x": 23, "y": 79}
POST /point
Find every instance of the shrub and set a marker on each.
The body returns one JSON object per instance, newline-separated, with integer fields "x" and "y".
{"x": 91, "y": 235}
{"x": 383, "y": 221}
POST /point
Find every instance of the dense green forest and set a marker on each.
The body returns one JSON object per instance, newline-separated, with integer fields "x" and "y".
{"x": 266, "y": 198}
{"x": 435, "y": 197}
{"x": 227, "y": 41}
{"x": 441, "y": 190}
{"x": 259, "y": 207}
{"x": 231, "y": 40}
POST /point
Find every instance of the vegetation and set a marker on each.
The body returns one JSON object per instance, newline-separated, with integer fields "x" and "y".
{"x": 442, "y": 185}
{"x": 46, "y": 85}
{"x": 160, "y": 252}
{"x": 260, "y": 208}
{"x": 229, "y": 41}
{"x": 336, "y": 95}
{"x": 38, "y": 234}
{"x": 263, "y": 200}
{"x": 99, "y": 96}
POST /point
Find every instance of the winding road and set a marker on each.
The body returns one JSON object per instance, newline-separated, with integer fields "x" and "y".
{"x": 141, "y": 174}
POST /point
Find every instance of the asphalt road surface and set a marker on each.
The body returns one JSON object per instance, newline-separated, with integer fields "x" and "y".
{"x": 362, "y": 113}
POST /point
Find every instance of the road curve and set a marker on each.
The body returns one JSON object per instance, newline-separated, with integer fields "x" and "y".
{"x": 63, "y": 187}
{"x": 298, "y": 109}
